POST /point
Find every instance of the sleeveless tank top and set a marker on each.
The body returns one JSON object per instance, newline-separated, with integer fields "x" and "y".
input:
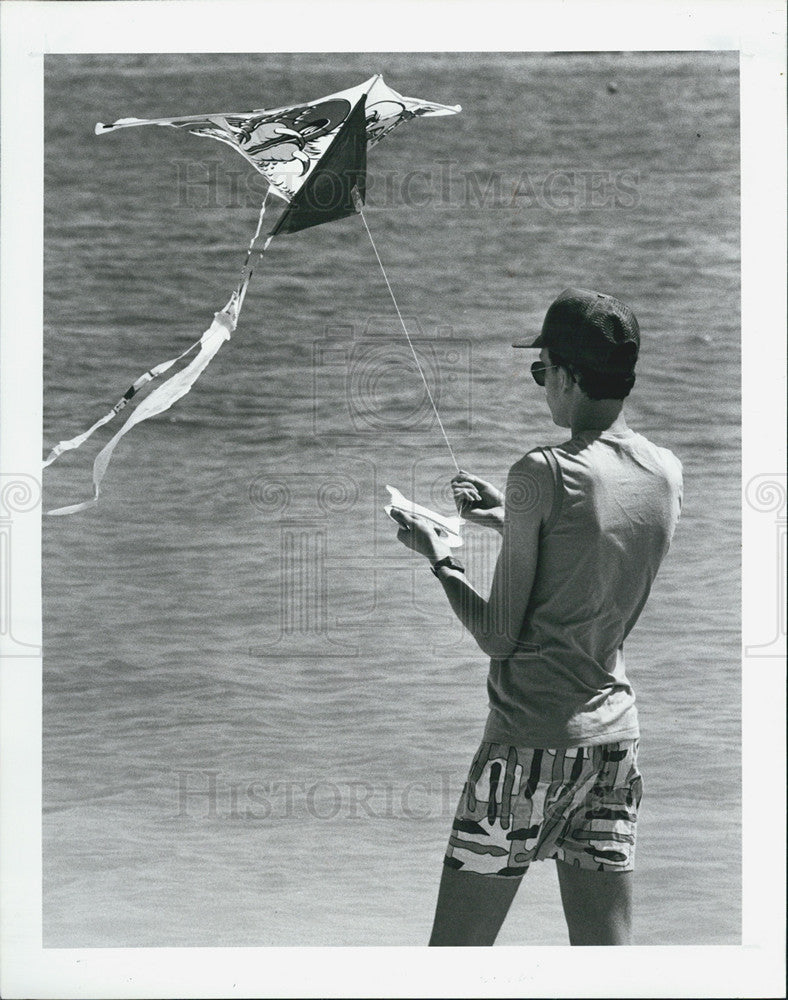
{"x": 616, "y": 504}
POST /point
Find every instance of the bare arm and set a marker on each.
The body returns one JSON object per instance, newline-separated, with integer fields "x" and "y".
{"x": 495, "y": 623}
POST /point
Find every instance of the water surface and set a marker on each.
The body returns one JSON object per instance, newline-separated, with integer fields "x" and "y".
{"x": 259, "y": 710}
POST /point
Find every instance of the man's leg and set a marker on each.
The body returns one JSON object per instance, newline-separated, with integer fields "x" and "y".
{"x": 597, "y": 905}
{"x": 471, "y": 907}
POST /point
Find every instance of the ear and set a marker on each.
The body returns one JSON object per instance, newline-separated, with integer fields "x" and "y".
{"x": 565, "y": 380}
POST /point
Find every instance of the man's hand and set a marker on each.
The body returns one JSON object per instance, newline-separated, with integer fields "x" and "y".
{"x": 478, "y": 501}
{"x": 421, "y": 536}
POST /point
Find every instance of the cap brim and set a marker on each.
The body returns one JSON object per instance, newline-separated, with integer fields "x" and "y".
{"x": 537, "y": 343}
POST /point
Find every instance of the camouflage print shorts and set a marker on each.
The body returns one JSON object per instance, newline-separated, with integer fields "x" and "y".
{"x": 520, "y": 804}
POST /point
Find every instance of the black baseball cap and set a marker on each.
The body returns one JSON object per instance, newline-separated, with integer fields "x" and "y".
{"x": 592, "y": 330}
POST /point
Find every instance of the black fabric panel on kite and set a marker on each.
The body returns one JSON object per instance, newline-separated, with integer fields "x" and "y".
{"x": 328, "y": 193}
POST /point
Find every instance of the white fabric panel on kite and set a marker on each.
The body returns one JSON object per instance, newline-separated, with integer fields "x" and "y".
{"x": 286, "y": 144}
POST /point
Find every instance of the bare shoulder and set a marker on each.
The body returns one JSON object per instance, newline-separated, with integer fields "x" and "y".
{"x": 530, "y": 487}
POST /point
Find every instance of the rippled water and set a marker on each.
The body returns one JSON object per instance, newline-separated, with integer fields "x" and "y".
{"x": 258, "y": 710}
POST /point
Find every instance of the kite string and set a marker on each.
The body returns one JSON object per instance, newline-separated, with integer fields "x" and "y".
{"x": 410, "y": 342}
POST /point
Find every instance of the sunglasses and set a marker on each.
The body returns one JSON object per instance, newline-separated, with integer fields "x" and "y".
{"x": 538, "y": 369}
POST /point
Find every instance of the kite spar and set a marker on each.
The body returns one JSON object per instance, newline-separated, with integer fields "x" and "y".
{"x": 313, "y": 157}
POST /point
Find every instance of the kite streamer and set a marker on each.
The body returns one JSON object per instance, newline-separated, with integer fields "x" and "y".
{"x": 126, "y": 398}
{"x": 165, "y": 395}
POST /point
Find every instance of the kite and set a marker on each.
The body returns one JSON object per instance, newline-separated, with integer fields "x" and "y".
{"x": 313, "y": 157}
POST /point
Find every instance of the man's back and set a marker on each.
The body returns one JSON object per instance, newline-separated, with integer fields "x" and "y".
{"x": 617, "y": 501}
{"x": 585, "y": 526}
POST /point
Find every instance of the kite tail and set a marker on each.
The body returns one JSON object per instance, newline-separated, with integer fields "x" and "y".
{"x": 161, "y": 398}
{"x": 126, "y": 398}
{"x": 174, "y": 388}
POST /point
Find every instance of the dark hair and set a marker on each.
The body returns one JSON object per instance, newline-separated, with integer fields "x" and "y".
{"x": 597, "y": 385}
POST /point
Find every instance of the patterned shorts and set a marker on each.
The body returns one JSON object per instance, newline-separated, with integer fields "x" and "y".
{"x": 520, "y": 805}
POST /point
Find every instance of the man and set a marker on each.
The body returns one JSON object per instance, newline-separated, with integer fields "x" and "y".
{"x": 585, "y": 525}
